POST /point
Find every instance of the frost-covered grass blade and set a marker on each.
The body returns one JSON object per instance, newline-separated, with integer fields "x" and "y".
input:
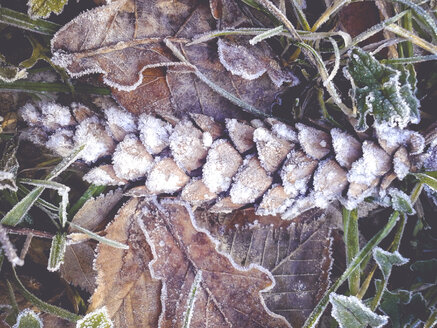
{"x": 101, "y": 239}
{"x": 9, "y": 166}
{"x": 57, "y": 251}
{"x": 16, "y": 214}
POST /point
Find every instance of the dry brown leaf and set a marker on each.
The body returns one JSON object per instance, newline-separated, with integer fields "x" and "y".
{"x": 139, "y": 289}
{"x": 77, "y": 268}
{"x": 125, "y": 286}
{"x": 122, "y": 38}
{"x": 297, "y": 254}
{"x": 226, "y": 296}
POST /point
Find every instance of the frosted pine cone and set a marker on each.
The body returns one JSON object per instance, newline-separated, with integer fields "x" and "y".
{"x": 278, "y": 168}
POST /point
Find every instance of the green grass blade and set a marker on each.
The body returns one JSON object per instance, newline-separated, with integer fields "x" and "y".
{"x": 367, "y": 249}
{"x": 43, "y": 306}
{"x": 92, "y": 191}
{"x": 20, "y": 20}
{"x": 16, "y": 214}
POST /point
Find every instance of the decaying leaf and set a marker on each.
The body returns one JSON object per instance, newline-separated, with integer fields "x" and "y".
{"x": 296, "y": 253}
{"x": 77, "y": 268}
{"x": 381, "y": 91}
{"x": 125, "y": 286}
{"x": 154, "y": 278}
{"x": 124, "y": 40}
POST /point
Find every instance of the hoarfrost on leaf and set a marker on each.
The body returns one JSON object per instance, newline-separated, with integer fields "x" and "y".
{"x": 374, "y": 163}
{"x": 401, "y": 202}
{"x": 98, "y": 143}
{"x": 28, "y": 319}
{"x": 61, "y": 142}
{"x": 154, "y": 133}
{"x": 384, "y": 92}
{"x": 96, "y": 319}
{"x": 131, "y": 160}
{"x": 120, "y": 122}
{"x": 386, "y": 260}
{"x": 350, "y": 312}
{"x": 43, "y": 8}
{"x": 239, "y": 60}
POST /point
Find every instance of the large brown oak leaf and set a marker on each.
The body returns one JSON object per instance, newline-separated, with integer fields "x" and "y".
{"x": 168, "y": 251}
{"x": 124, "y": 41}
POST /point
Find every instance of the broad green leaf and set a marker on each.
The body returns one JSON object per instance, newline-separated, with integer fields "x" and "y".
{"x": 16, "y": 214}
{"x": 386, "y": 260}
{"x": 381, "y": 91}
{"x": 403, "y": 307}
{"x": 9, "y": 166}
{"x": 28, "y": 319}
{"x": 57, "y": 251}
{"x": 401, "y": 202}
{"x": 350, "y": 312}
{"x": 10, "y": 73}
{"x": 43, "y": 8}
{"x": 101, "y": 239}
{"x": 96, "y": 319}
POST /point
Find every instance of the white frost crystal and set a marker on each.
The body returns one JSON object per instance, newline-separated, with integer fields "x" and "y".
{"x": 30, "y": 114}
{"x": 61, "y": 142}
{"x": 272, "y": 150}
{"x": 329, "y": 182}
{"x": 275, "y": 201}
{"x": 103, "y": 175}
{"x": 166, "y": 177}
{"x": 221, "y": 165}
{"x": 97, "y": 141}
{"x": 297, "y": 172}
{"x": 131, "y": 160}
{"x": 315, "y": 143}
{"x": 120, "y": 122}
{"x": 187, "y": 147}
{"x": 154, "y": 133}
{"x": 347, "y": 148}
{"x": 55, "y": 116}
{"x": 241, "y": 135}
{"x": 374, "y": 163}
{"x": 401, "y": 163}
{"x": 284, "y": 131}
{"x": 250, "y": 182}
